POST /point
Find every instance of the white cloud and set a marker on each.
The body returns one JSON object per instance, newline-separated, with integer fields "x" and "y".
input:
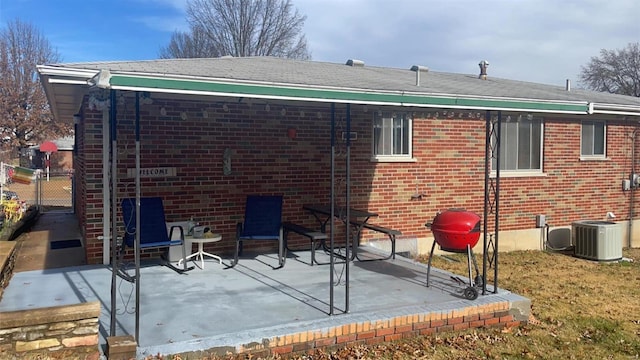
{"x": 171, "y": 18}
{"x": 163, "y": 23}
{"x": 533, "y": 40}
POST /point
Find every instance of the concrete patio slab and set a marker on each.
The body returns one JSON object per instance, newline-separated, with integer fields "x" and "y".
{"x": 236, "y": 308}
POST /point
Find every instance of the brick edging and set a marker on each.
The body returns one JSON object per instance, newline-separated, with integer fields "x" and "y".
{"x": 496, "y": 314}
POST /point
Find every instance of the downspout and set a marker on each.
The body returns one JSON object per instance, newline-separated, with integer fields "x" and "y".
{"x": 101, "y": 81}
{"x": 632, "y": 187}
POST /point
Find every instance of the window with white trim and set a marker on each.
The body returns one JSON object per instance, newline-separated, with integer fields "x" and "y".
{"x": 520, "y": 145}
{"x": 593, "y": 140}
{"x": 392, "y": 135}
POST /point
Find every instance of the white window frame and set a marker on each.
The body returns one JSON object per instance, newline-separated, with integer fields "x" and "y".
{"x": 515, "y": 172}
{"x": 592, "y": 155}
{"x": 387, "y": 119}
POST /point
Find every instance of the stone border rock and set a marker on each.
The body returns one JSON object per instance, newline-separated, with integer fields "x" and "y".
{"x": 68, "y": 331}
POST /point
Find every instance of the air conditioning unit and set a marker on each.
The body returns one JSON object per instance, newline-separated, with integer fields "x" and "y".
{"x": 597, "y": 240}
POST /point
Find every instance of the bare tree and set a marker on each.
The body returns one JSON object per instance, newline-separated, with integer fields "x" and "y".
{"x": 194, "y": 44}
{"x": 614, "y": 71}
{"x": 240, "y": 28}
{"x": 25, "y": 117}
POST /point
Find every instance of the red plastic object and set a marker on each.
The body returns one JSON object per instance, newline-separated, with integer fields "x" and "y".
{"x": 48, "y": 146}
{"x": 454, "y": 229}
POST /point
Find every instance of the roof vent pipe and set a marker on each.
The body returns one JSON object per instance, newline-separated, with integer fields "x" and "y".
{"x": 355, "y": 63}
{"x": 483, "y": 69}
{"x": 419, "y": 69}
{"x": 568, "y": 86}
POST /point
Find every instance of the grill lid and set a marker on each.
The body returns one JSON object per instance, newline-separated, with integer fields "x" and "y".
{"x": 455, "y": 229}
{"x": 457, "y": 221}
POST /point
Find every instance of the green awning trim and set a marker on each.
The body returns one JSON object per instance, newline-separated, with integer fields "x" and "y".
{"x": 280, "y": 92}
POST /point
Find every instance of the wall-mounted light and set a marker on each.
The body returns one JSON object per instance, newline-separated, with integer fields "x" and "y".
{"x": 163, "y": 111}
{"x": 302, "y": 113}
{"x": 267, "y": 108}
{"x": 292, "y": 133}
{"x": 225, "y": 108}
{"x": 283, "y": 111}
{"x": 183, "y": 115}
{"x": 205, "y": 114}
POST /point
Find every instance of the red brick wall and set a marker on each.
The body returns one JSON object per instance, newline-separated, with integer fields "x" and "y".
{"x": 449, "y": 168}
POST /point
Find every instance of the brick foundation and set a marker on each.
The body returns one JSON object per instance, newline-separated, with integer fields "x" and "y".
{"x": 372, "y": 332}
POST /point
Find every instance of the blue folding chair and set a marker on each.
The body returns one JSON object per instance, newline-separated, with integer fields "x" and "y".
{"x": 153, "y": 230}
{"x": 262, "y": 221}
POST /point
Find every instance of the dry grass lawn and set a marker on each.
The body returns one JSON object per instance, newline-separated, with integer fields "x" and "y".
{"x": 580, "y": 310}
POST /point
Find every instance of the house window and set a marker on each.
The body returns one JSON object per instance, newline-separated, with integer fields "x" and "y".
{"x": 521, "y": 144}
{"x": 593, "y": 140}
{"x": 391, "y": 136}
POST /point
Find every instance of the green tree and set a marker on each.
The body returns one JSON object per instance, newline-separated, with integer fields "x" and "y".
{"x": 240, "y": 28}
{"x": 614, "y": 71}
{"x": 25, "y": 117}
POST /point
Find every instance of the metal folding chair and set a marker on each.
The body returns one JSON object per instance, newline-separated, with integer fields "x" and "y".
{"x": 152, "y": 229}
{"x": 262, "y": 221}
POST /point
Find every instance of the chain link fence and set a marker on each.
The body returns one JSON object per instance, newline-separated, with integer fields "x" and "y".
{"x": 48, "y": 191}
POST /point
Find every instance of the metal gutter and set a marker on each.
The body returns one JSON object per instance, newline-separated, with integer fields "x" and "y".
{"x": 613, "y": 109}
{"x": 62, "y": 72}
{"x": 218, "y": 88}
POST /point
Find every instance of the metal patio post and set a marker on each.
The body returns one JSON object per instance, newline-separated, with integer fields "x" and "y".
{"x": 114, "y": 238}
{"x": 137, "y": 250}
{"x": 332, "y": 201}
{"x": 348, "y": 206}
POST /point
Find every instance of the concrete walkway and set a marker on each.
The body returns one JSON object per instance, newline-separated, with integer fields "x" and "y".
{"x": 34, "y": 248}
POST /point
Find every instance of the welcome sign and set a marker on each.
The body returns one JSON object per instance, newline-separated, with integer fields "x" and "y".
{"x": 155, "y": 172}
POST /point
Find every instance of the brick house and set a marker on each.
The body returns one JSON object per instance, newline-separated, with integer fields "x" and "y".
{"x": 214, "y": 130}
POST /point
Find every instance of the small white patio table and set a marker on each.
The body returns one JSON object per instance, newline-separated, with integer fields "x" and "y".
{"x": 208, "y": 238}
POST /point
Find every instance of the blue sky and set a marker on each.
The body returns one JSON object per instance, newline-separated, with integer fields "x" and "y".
{"x": 543, "y": 41}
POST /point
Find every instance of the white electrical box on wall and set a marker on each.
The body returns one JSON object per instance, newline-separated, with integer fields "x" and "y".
{"x": 626, "y": 185}
{"x": 541, "y": 221}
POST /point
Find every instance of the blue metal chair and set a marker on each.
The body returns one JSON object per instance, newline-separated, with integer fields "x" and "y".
{"x": 153, "y": 230}
{"x": 262, "y": 221}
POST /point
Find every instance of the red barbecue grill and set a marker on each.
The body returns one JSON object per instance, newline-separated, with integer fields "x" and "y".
{"x": 457, "y": 231}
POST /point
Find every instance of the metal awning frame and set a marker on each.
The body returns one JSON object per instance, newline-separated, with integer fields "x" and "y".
{"x": 82, "y": 81}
